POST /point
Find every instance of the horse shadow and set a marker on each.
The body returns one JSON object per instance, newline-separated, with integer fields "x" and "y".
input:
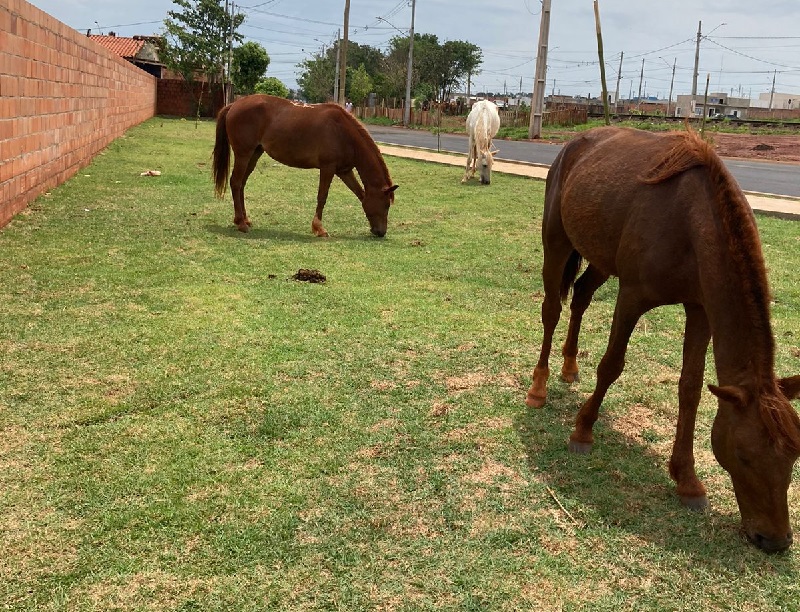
{"x": 624, "y": 484}
{"x": 280, "y": 235}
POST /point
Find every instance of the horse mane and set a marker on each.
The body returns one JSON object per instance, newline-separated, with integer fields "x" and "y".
{"x": 744, "y": 245}
{"x": 366, "y": 138}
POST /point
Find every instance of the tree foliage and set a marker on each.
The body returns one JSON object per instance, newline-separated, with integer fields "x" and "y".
{"x": 196, "y": 39}
{"x": 438, "y": 69}
{"x": 272, "y": 86}
{"x": 359, "y": 85}
{"x": 250, "y": 63}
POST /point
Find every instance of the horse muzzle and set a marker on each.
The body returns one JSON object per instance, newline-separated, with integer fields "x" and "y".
{"x": 380, "y": 233}
{"x": 771, "y": 545}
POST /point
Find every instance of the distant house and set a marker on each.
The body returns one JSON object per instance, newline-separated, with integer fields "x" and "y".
{"x": 138, "y": 50}
{"x": 719, "y": 104}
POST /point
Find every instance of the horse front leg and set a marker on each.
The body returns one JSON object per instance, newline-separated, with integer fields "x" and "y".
{"x": 349, "y": 179}
{"x": 471, "y": 159}
{"x": 582, "y": 294}
{"x": 325, "y": 178}
{"x": 626, "y": 314}
{"x": 697, "y": 335}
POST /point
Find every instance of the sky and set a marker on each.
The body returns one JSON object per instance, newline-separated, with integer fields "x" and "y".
{"x": 743, "y": 47}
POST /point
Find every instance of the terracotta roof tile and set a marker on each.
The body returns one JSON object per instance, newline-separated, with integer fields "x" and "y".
{"x": 119, "y": 45}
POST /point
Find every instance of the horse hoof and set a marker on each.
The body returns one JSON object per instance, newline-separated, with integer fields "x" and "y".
{"x": 695, "y": 503}
{"x": 580, "y": 448}
{"x": 570, "y": 377}
{"x": 243, "y": 227}
{"x": 535, "y": 401}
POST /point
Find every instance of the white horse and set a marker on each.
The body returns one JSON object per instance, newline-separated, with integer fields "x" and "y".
{"x": 483, "y": 122}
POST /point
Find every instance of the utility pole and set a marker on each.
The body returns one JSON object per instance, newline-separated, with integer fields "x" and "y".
{"x": 671, "y": 83}
{"x": 602, "y": 61}
{"x": 336, "y": 71}
{"x": 772, "y": 91}
{"x": 540, "y": 82}
{"x": 407, "y": 107}
{"x": 227, "y": 83}
{"x": 641, "y": 78}
{"x": 619, "y": 78}
{"x": 343, "y": 54}
{"x": 696, "y": 63}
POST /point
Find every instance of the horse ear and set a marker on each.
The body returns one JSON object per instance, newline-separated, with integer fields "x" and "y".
{"x": 390, "y": 189}
{"x": 790, "y": 387}
{"x": 738, "y": 396}
{"x": 493, "y": 153}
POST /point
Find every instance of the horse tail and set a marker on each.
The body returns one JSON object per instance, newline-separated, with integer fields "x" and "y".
{"x": 570, "y": 274}
{"x": 222, "y": 155}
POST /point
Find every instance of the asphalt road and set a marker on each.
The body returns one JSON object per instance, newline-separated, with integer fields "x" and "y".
{"x": 755, "y": 176}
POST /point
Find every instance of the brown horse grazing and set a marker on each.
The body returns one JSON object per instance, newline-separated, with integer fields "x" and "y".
{"x": 662, "y": 213}
{"x": 322, "y": 136}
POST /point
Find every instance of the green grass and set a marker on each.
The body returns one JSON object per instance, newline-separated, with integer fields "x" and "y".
{"x": 185, "y": 427}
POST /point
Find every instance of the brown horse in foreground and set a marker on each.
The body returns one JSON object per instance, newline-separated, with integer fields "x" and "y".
{"x": 322, "y": 136}
{"x": 662, "y": 213}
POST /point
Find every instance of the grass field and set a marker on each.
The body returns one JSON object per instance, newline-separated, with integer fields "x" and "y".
{"x": 185, "y": 427}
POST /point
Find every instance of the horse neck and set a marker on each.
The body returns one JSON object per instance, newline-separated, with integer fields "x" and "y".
{"x": 368, "y": 160}
{"x": 737, "y": 292}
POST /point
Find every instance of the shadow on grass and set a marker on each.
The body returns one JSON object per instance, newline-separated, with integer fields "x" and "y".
{"x": 624, "y": 484}
{"x": 266, "y": 233}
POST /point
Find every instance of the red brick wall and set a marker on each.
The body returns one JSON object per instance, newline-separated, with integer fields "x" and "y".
{"x": 175, "y": 97}
{"x": 63, "y": 98}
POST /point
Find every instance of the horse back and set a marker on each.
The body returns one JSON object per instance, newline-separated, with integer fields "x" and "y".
{"x": 598, "y": 197}
{"x": 301, "y": 136}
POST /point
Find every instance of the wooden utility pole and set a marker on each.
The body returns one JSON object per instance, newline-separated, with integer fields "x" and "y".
{"x": 619, "y": 78}
{"x": 343, "y": 54}
{"x": 705, "y": 102}
{"x": 641, "y": 78}
{"x": 409, "y": 72}
{"x": 336, "y": 71}
{"x": 696, "y": 63}
{"x": 227, "y": 83}
{"x": 602, "y": 61}
{"x": 540, "y": 81}
{"x": 772, "y": 91}
{"x": 671, "y": 83}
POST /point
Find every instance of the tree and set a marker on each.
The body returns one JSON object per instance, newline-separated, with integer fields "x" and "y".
{"x": 250, "y": 63}
{"x": 316, "y": 77}
{"x": 459, "y": 60}
{"x": 359, "y": 85}
{"x": 196, "y": 41}
{"x": 273, "y": 87}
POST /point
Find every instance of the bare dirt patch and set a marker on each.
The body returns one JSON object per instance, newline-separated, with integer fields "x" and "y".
{"x": 753, "y": 146}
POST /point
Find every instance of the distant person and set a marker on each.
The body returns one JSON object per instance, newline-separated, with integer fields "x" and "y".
{"x": 348, "y": 106}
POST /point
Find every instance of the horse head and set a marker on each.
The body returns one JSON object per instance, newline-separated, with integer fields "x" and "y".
{"x": 486, "y": 159}
{"x": 755, "y": 439}
{"x": 376, "y": 205}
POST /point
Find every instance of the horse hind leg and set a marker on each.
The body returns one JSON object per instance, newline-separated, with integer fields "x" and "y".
{"x": 697, "y": 335}
{"x": 555, "y": 263}
{"x": 626, "y": 314}
{"x": 582, "y": 294}
{"x": 242, "y": 169}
